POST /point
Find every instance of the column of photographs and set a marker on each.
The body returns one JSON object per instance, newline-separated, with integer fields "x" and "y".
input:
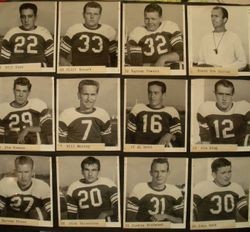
{"x": 105, "y": 89}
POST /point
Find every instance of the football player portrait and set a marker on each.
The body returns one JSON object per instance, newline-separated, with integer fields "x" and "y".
{"x": 25, "y": 120}
{"x": 224, "y": 121}
{"x": 22, "y": 195}
{"x": 223, "y": 46}
{"x": 154, "y": 123}
{"x": 155, "y": 200}
{"x": 219, "y": 198}
{"x": 93, "y": 196}
{"x": 86, "y": 123}
{"x": 91, "y": 42}
{"x": 159, "y": 42}
{"x": 29, "y": 42}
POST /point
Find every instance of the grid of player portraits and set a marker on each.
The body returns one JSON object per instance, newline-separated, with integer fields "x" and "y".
{"x": 125, "y": 114}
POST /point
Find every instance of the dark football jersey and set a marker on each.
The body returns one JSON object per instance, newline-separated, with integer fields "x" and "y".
{"x": 152, "y": 44}
{"x": 144, "y": 202}
{"x": 147, "y": 125}
{"x": 19, "y": 203}
{"x": 88, "y": 46}
{"x": 88, "y": 200}
{"x": 34, "y": 46}
{"x": 13, "y": 120}
{"x": 224, "y": 127}
{"x": 76, "y": 127}
{"x": 213, "y": 202}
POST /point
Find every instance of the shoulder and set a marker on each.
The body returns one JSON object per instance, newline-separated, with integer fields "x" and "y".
{"x": 171, "y": 110}
{"x": 108, "y": 31}
{"x": 202, "y": 188}
{"x": 67, "y": 114}
{"x": 137, "y": 33}
{"x": 8, "y": 186}
{"x": 102, "y": 114}
{"x": 5, "y": 109}
{"x": 173, "y": 191}
{"x": 242, "y": 107}
{"x": 206, "y": 107}
{"x": 237, "y": 189}
{"x": 37, "y": 104}
{"x": 138, "y": 108}
{"x": 12, "y": 32}
{"x": 44, "y": 32}
{"x": 75, "y": 185}
{"x": 170, "y": 26}
{"x": 106, "y": 181}
{"x": 232, "y": 35}
{"x": 74, "y": 29}
{"x": 139, "y": 190}
{"x": 41, "y": 185}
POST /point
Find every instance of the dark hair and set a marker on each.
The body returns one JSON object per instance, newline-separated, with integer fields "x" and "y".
{"x": 219, "y": 163}
{"x": 21, "y": 160}
{"x": 22, "y": 81}
{"x": 88, "y": 82}
{"x": 153, "y": 7}
{"x": 89, "y": 161}
{"x": 31, "y": 6}
{"x": 92, "y": 5}
{"x": 160, "y": 161}
{"x": 223, "y": 10}
{"x": 159, "y": 83}
{"x": 225, "y": 83}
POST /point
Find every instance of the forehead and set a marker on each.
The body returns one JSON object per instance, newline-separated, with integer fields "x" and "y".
{"x": 224, "y": 169}
{"x": 27, "y": 11}
{"x": 153, "y": 14}
{"x": 154, "y": 88}
{"x": 21, "y": 87}
{"x": 224, "y": 89}
{"x": 92, "y": 10}
{"x": 22, "y": 167}
{"x": 160, "y": 166}
{"x": 88, "y": 88}
{"x": 90, "y": 166}
{"x": 217, "y": 12}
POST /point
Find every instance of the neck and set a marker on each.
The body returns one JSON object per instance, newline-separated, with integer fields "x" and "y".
{"x": 85, "y": 110}
{"x": 224, "y": 110}
{"x": 157, "y": 187}
{"x": 220, "y": 29}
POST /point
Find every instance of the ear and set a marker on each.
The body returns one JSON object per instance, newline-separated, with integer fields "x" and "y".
{"x": 214, "y": 175}
{"x": 225, "y": 20}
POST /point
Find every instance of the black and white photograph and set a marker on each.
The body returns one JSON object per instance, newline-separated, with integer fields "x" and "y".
{"x": 155, "y": 117}
{"x": 153, "y": 39}
{"x": 88, "y": 190}
{"x": 89, "y": 40}
{"x": 217, "y": 45}
{"x": 27, "y": 35}
{"x": 25, "y": 190}
{"x": 220, "y": 115}
{"x": 27, "y": 113}
{"x": 88, "y": 114}
{"x": 155, "y": 192}
{"x": 220, "y": 193}
{"x": 221, "y": 1}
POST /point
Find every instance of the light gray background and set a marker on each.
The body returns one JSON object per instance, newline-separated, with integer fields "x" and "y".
{"x": 41, "y": 88}
{"x": 10, "y": 17}
{"x": 137, "y": 92}
{"x": 138, "y": 169}
{"x": 69, "y": 168}
{"x": 106, "y": 99}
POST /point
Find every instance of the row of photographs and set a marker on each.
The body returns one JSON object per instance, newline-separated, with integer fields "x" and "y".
{"x": 88, "y": 114}
{"x": 154, "y": 35}
{"x": 154, "y": 194}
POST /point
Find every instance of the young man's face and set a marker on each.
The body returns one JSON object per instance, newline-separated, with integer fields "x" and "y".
{"x": 217, "y": 18}
{"x": 24, "y": 173}
{"x": 223, "y": 176}
{"x": 87, "y": 97}
{"x": 155, "y": 96}
{"x": 224, "y": 97}
{"x": 21, "y": 93}
{"x": 28, "y": 19}
{"x": 159, "y": 174}
{"x": 90, "y": 172}
{"x": 152, "y": 20}
{"x": 92, "y": 17}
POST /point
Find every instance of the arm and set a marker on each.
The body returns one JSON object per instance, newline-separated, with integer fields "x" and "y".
{"x": 113, "y": 53}
{"x": 25, "y": 131}
{"x": 46, "y": 127}
{"x": 5, "y": 52}
{"x": 63, "y": 132}
{"x": 2, "y": 132}
{"x": 131, "y": 210}
{"x": 72, "y": 208}
{"x": 134, "y": 52}
{"x": 204, "y": 131}
{"x": 65, "y": 51}
{"x": 131, "y": 128}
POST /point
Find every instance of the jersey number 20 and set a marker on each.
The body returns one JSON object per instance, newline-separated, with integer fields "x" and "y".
{"x": 94, "y": 195}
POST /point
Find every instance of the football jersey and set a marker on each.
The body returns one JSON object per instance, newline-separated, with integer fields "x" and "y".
{"x": 147, "y": 125}
{"x": 213, "y": 202}
{"x": 76, "y": 127}
{"x": 33, "y": 46}
{"x": 19, "y": 203}
{"x": 89, "y": 46}
{"x": 152, "y": 44}
{"x": 144, "y": 202}
{"x": 13, "y": 120}
{"x": 88, "y": 200}
{"x": 224, "y": 127}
